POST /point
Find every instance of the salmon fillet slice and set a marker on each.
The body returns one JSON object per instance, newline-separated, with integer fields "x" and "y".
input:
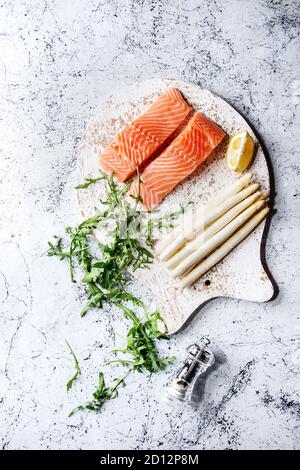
{"x": 135, "y": 144}
{"x": 179, "y": 160}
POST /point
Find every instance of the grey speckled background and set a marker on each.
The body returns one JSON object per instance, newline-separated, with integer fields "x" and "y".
{"x": 58, "y": 60}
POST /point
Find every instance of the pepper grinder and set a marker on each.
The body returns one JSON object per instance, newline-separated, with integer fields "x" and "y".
{"x": 198, "y": 360}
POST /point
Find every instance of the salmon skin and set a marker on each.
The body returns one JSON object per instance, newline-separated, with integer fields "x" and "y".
{"x": 135, "y": 144}
{"x": 179, "y": 160}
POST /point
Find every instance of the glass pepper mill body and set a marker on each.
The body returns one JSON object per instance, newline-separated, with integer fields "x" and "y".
{"x": 198, "y": 360}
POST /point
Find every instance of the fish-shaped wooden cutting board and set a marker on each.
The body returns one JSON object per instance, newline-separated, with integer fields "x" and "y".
{"x": 243, "y": 273}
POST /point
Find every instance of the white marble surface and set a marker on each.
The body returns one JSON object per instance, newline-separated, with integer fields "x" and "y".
{"x": 58, "y": 60}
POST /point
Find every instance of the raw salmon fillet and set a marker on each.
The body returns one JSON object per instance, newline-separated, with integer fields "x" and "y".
{"x": 135, "y": 144}
{"x": 179, "y": 160}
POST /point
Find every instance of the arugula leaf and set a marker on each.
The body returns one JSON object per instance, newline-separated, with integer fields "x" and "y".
{"x": 92, "y": 275}
{"x": 56, "y": 249}
{"x": 141, "y": 347}
{"x": 77, "y": 368}
{"x": 88, "y": 182}
{"x": 101, "y": 395}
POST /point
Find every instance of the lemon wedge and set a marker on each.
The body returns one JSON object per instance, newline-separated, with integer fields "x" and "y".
{"x": 240, "y": 152}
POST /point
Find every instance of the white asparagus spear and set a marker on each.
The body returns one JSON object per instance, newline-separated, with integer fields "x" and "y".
{"x": 211, "y": 230}
{"x": 216, "y": 240}
{"x": 234, "y": 188}
{"x": 265, "y": 194}
{"x": 223, "y": 250}
{"x": 207, "y": 217}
